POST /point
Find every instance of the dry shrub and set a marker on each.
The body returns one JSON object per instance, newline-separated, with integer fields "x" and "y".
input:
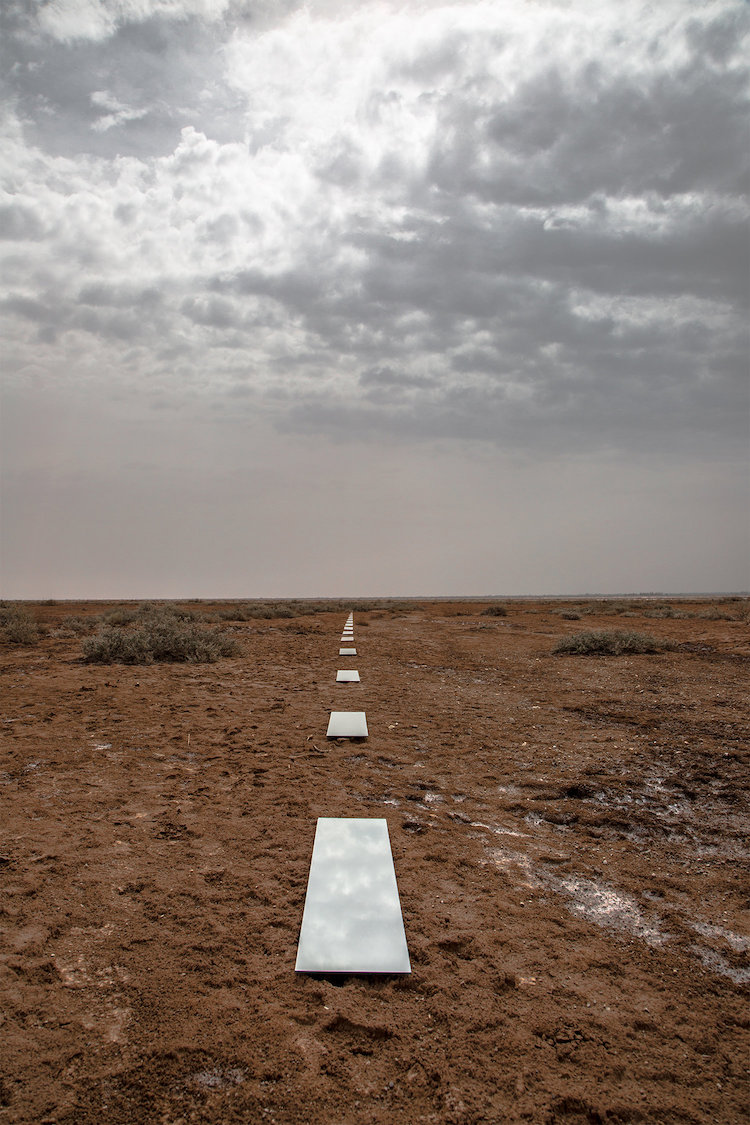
{"x": 275, "y": 610}
{"x": 17, "y": 626}
{"x": 74, "y": 626}
{"x": 130, "y": 614}
{"x": 620, "y": 608}
{"x": 664, "y": 609}
{"x": 608, "y": 642}
{"x": 496, "y": 610}
{"x": 114, "y": 646}
{"x": 260, "y": 611}
{"x": 123, "y": 615}
{"x": 161, "y": 637}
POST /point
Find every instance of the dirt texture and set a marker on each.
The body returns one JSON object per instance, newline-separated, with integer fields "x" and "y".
{"x": 570, "y": 839}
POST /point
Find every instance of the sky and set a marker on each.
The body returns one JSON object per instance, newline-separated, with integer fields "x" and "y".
{"x": 396, "y": 298}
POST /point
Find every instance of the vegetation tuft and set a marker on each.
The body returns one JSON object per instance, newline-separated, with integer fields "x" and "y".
{"x": 129, "y": 614}
{"x": 275, "y": 610}
{"x": 17, "y": 626}
{"x": 495, "y": 610}
{"x": 74, "y": 626}
{"x": 608, "y": 642}
{"x": 163, "y": 636}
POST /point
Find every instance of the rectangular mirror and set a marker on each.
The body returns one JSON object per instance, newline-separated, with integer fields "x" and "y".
{"x": 347, "y": 724}
{"x": 352, "y": 919}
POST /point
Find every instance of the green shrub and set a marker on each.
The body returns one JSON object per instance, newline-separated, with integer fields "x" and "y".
{"x": 496, "y": 610}
{"x": 608, "y": 642}
{"x": 162, "y": 637}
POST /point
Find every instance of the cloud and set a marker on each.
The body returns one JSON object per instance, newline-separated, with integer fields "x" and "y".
{"x": 117, "y": 112}
{"x": 67, "y": 20}
{"x": 19, "y": 223}
{"x": 515, "y": 224}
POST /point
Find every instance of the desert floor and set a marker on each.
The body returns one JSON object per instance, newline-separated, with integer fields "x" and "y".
{"x": 570, "y": 838}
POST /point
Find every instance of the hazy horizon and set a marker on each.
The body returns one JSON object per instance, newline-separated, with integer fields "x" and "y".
{"x": 397, "y": 295}
{"x": 354, "y": 598}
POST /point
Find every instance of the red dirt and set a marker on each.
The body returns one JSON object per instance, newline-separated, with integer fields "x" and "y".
{"x": 568, "y": 840}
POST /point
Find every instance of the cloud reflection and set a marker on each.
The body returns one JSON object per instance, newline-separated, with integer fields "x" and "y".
{"x": 352, "y": 918}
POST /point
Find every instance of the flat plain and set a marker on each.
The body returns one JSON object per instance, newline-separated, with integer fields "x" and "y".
{"x": 570, "y": 839}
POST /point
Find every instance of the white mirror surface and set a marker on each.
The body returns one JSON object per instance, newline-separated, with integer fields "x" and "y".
{"x": 347, "y": 724}
{"x": 352, "y": 918}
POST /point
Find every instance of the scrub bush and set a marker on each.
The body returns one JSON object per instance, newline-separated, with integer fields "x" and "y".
{"x": 17, "y": 626}
{"x": 123, "y": 615}
{"x": 74, "y": 626}
{"x": 162, "y": 636}
{"x": 608, "y": 642}
{"x": 130, "y": 614}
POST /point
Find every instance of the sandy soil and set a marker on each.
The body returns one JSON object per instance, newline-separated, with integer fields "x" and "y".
{"x": 569, "y": 836}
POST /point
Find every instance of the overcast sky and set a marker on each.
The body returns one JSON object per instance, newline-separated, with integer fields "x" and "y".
{"x": 345, "y": 298}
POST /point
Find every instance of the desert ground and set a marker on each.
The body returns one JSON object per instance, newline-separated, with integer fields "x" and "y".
{"x": 570, "y": 836}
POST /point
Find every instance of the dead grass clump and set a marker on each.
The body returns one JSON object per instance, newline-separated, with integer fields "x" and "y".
{"x": 608, "y": 642}
{"x": 17, "y": 626}
{"x": 162, "y": 637}
{"x": 495, "y": 610}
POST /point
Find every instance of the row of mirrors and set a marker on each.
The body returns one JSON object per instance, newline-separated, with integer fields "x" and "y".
{"x": 352, "y": 920}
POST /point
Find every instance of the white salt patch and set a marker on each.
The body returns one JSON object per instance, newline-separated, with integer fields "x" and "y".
{"x": 739, "y": 943}
{"x": 606, "y": 907}
{"x": 718, "y": 964}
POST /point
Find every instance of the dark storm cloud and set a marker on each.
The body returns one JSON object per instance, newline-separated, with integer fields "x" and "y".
{"x": 564, "y": 136}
